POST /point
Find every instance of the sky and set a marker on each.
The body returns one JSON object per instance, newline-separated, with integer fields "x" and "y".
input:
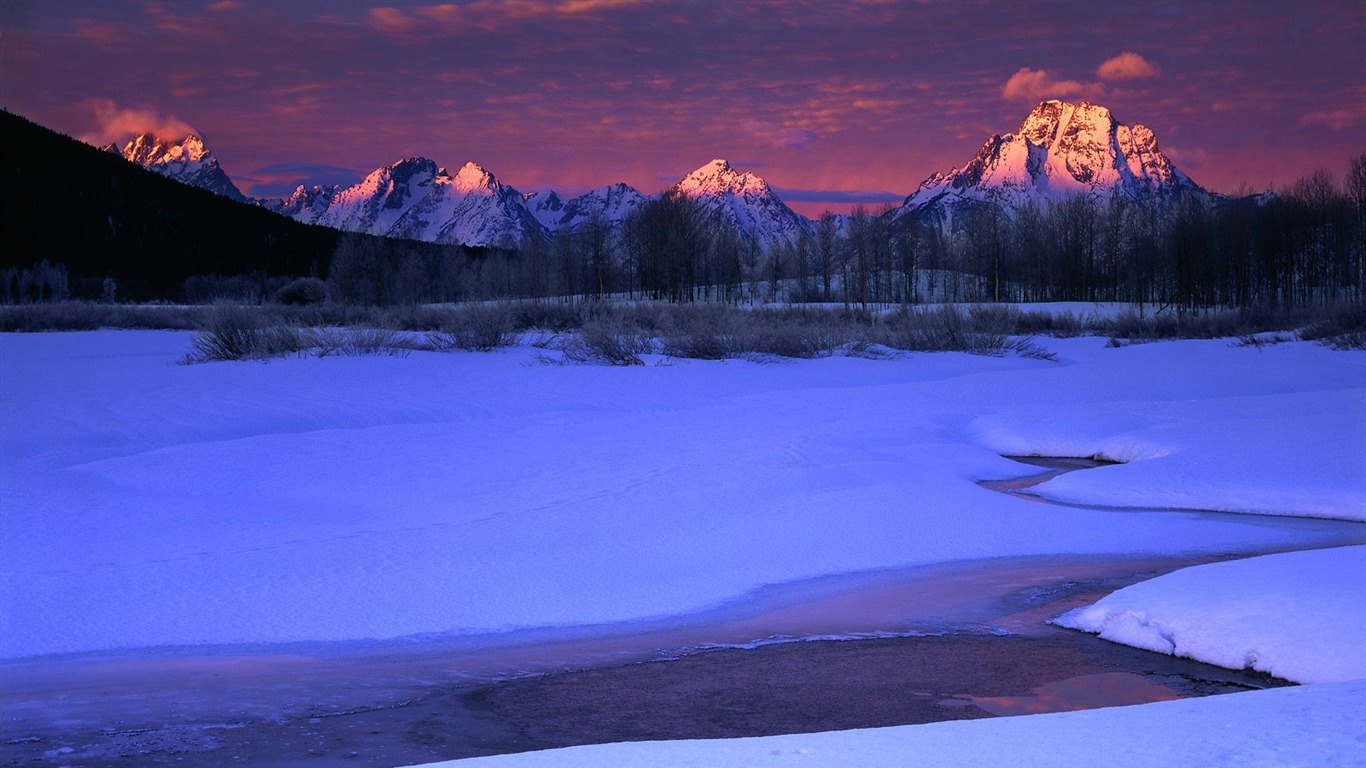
{"x": 834, "y": 103}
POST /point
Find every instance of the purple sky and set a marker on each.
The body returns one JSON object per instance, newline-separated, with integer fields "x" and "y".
{"x": 832, "y": 102}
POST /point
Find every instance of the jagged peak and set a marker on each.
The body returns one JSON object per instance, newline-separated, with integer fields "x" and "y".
{"x": 1049, "y": 119}
{"x": 608, "y": 191}
{"x": 304, "y": 192}
{"x": 543, "y": 197}
{"x": 472, "y": 176}
{"x": 718, "y": 178}
{"x": 184, "y": 159}
{"x": 413, "y": 163}
{"x": 149, "y": 148}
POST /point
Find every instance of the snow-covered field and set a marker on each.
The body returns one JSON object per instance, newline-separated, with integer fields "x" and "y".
{"x": 149, "y": 504}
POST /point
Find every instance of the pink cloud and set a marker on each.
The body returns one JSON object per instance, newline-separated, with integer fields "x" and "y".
{"x": 484, "y": 14}
{"x": 106, "y": 34}
{"x": 778, "y": 136}
{"x": 119, "y": 124}
{"x": 1128, "y": 66}
{"x": 1036, "y": 85}
{"x": 392, "y": 20}
{"x": 226, "y": 5}
{"x": 1337, "y": 119}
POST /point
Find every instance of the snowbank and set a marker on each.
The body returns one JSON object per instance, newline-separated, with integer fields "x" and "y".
{"x": 1296, "y": 615}
{"x": 1278, "y": 430}
{"x": 1318, "y": 725}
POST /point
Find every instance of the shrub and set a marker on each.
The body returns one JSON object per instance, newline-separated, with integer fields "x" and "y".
{"x": 476, "y": 328}
{"x": 994, "y": 318}
{"x": 405, "y": 317}
{"x": 941, "y": 329}
{"x": 543, "y": 316}
{"x": 354, "y": 342}
{"x": 1341, "y": 326}
{"x": 1260, "y": 340}
{"x": 244, "y": 333}
{"x": 800, "y": 341}
{"x": 302, "y": 292}
{"x": 950, "y": 329}
{"x": 1346, "y": 341}
{"x": 86, "y": 316}
{"x": 237, "y": 333}
{"x": 1025, "y": 346}
{"x": 705, "y": 333}
{"x": 610, "y": 340}
{"x": 1131, "y": 325}
{"x": 1064, "y": 325}
{"x": 65, "y": 316}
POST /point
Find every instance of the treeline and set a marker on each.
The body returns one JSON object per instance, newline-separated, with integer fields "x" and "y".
{"x": 1303, "y": 245}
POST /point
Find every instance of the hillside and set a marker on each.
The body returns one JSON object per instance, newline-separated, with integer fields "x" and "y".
{"x": 100, "y": 216}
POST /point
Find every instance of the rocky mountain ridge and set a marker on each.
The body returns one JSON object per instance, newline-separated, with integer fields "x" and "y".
{"x": 1060, "y": 149}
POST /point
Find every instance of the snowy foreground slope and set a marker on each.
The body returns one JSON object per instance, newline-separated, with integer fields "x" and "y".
{"x": 1295, "y": 615}
{"x": 147, "y": 503}
{"x": 1318, "y": 725}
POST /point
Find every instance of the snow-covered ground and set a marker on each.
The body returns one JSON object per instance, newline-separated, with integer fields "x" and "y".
{"x": 1295, "y": 615}
{"x": 147, "y": 504}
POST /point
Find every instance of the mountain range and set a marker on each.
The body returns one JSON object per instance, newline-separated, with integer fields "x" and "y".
{"x": 1060, "y": 149}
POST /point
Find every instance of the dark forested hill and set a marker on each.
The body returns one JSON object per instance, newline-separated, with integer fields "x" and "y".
{"x": 68, "y": 203}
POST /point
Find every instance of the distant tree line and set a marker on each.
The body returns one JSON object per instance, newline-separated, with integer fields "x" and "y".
{"x": 38, "y": 283}
{"x": 1304, "y": 244}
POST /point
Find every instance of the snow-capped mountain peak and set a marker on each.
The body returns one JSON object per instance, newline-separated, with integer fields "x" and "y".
{"x": 546, "y": 206}
{"x": 742, "y": 202}
{"x": 416, "y": 199}
{"x": 146, "y": 149}
{"x": 609, "y": 205}
{"x": 305, "y": 204}
{"x": 1060, "y": 148}
{"x": 186, "y": 160}
{"x": 718, "y": 178}
{"x": 473, "y": 177}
